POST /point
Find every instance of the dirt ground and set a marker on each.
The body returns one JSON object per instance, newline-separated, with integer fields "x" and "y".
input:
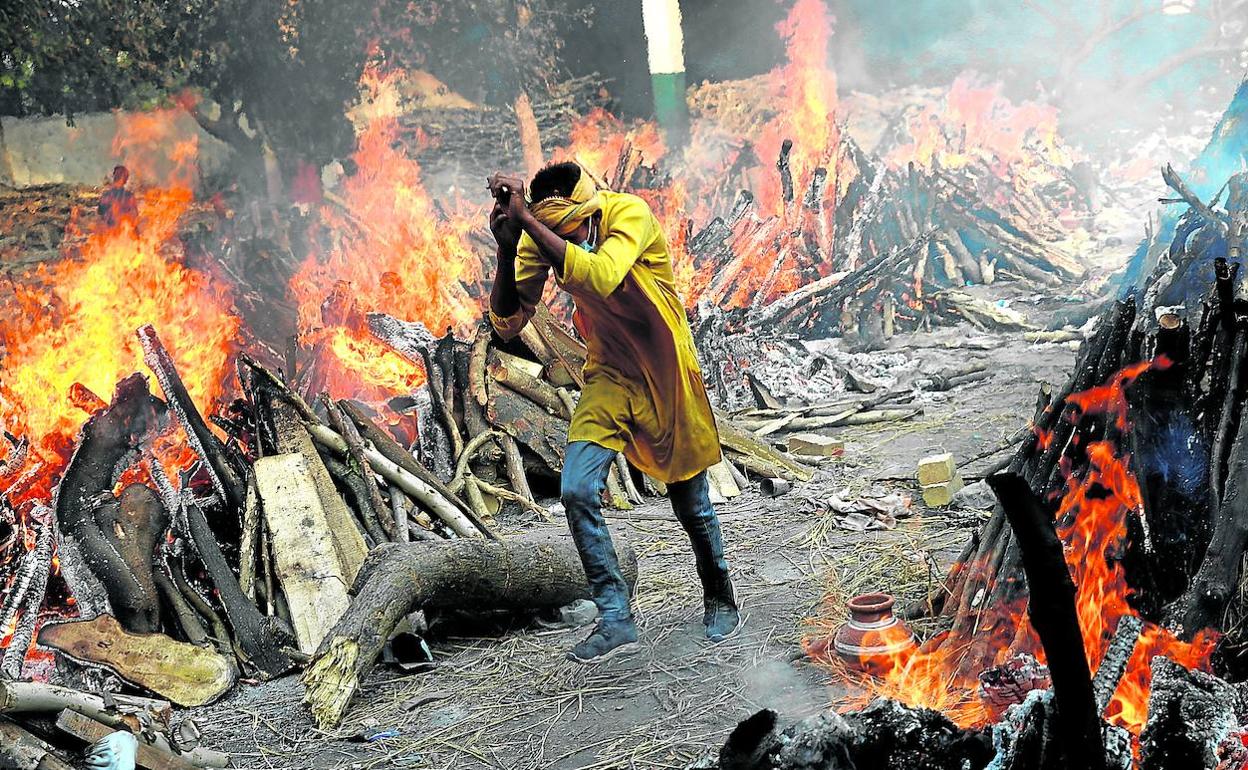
{"x": 501, "y": 695}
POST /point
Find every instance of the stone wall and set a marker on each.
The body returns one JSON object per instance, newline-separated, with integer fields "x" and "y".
{"x": 154, "y": 145}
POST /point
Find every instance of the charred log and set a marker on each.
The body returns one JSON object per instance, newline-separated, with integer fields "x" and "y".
{"x": 107, "y": 438}
{"x": 1055, "y": 619}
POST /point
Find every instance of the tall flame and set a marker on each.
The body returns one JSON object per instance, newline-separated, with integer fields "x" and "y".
{"x": 395, "y": 250}
{"x": 70, "y": 329}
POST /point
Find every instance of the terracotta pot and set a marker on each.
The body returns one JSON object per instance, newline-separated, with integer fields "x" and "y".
{"x": 873, "y": 640}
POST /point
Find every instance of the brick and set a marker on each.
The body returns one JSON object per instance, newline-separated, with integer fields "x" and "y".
{"x": 936, "y": 469}
{"x": 941, "y": 494}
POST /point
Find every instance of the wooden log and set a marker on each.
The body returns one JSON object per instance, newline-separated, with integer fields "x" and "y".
{"x": 473, "y": 412}
{"x": 514, "y": 465}
{"x": 414, "y": 342}
{"x": 181, "y": 672}
{"x": 398, "y": 511}
{"x": 412, "y": 485}
{"x": 224, "y": 479}
{"x": 118, "y": 711}
{"x": 507, "y": 370}
{"x": 305, "y": 558}
{"x": 106, "y": 438}
{"x": 27, "y": 593}
{"x": 971, "y": 268}
{"x": 568, "y": 351}
{"x": 440, "y": 385}
{"x": 188, "y": 621}
{"x": 477, "y": 358}
{"x": 626, "y": 480}
{"x": 1114, "y": 664}
{"x": 507, "y": 494}
{"x": 746, "y": 445}
{"x": 443, "y": 352}
{"x": 1051, "y": 608}
{"x": 149, "y": 756}
{"x": 250, "y": 540}
{"x": 539, "y": 430}
{"x": 257, "y": 644}
{"x": 133, "y": 525}
{"x": 349, "y": 475}
{"x": 293, "y": 438}
{"x": 530, "y": 136}
{"x": 392, "y": 451}
{"x": 529, "y": 572}
{"x": 722, "y": 481}
{"x": 1213, "y": 585}
{"x": 220, "y": 636}
{"x": 355, "y": 452}
{"x": 471, "y": 450}
{"x": 20, "y": 750}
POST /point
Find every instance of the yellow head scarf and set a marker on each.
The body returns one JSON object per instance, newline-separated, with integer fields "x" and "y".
{"x": 564, "y": 215}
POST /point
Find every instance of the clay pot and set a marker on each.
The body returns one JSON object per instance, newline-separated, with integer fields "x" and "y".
{"x": 873, "y": 640}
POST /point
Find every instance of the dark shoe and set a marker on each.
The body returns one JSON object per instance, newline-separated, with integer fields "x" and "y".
{"x": 721, "y": 617}
{"x": 608, "y": 640}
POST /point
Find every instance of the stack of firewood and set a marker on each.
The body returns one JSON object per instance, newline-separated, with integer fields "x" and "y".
{"x": 893, "y": 252}
{"x": 478, "y": 140}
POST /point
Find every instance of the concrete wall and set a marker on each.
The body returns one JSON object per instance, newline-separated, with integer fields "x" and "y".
{"x": 154, "y": 145}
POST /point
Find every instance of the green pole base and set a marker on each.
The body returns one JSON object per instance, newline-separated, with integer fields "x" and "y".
{"x": 670, "y": 107}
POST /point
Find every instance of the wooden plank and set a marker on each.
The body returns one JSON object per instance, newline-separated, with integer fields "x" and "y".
{"x": 181, "y": 672}
{"x": 87, "y": 729}
{"x": 304, "y": 553}
{"x": 293, "y": 438}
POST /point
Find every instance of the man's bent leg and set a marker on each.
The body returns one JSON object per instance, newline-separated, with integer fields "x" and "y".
{"x": 691, "y": 502}
{"x": 585, "y": 471}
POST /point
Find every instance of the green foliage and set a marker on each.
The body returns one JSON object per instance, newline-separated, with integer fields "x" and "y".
{"x": 287, "y": 70}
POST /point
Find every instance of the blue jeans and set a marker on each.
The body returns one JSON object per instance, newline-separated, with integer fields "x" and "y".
{"x": 585, "y": 470}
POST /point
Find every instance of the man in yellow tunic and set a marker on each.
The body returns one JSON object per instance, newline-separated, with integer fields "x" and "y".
{"x": 643, "y": 391}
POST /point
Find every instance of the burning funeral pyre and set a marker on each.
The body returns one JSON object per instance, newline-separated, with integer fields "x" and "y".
{"x": 1081, "y": 622}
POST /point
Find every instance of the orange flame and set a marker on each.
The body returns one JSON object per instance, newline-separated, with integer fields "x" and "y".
{"x": 69, "y": 333}
{"x": 1092, "y": 523}
{"x": 395, "y": 251}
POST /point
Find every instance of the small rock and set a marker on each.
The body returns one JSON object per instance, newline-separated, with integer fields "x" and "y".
{"x": 579, "y": 613}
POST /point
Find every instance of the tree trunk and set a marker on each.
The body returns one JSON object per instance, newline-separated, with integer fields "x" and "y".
{"x": 529, "y": 572}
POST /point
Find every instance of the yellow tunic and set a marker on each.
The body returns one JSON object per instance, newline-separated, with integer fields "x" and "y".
{"x": 643, "y": 392}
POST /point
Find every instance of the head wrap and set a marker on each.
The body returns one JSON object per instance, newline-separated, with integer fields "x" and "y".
{"x": 564, "y": 215}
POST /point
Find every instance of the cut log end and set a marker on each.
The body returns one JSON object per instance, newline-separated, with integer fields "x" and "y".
{"x": 331, "y": 681}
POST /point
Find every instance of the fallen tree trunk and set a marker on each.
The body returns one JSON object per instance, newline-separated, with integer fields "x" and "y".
{"x": 530, "y": 572}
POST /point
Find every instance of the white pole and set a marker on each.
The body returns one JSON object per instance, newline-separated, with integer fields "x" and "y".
{"x": 665, "y": 48}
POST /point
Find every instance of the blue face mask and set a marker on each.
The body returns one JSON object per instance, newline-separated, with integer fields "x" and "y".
{"x": 588, "y": 244}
